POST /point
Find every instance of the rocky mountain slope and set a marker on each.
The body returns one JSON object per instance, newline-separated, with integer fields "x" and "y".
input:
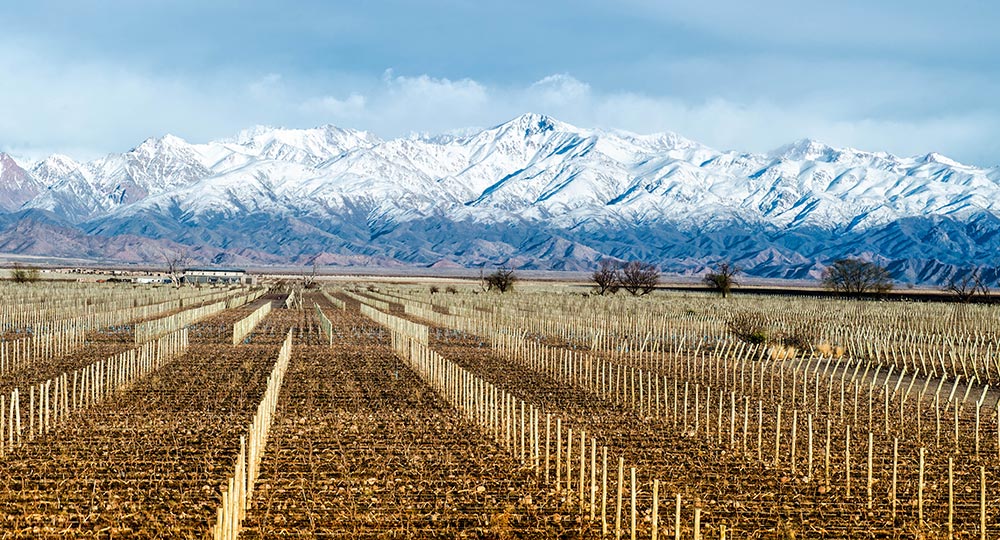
{"x": 533, "y": 192}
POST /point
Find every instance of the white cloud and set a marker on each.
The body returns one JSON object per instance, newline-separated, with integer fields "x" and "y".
{"x": 266, "y": 87}
{"x": 353, "y": 106}
{"x": 559, "y": 89}
{"x": 87, "y": 109}
{"x": 427, "y": 104}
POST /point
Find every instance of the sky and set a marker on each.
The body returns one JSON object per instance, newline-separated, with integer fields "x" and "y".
{"x": 907, "y": 77}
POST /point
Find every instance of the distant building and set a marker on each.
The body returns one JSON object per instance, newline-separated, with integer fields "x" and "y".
{"x": 230, "y": 276}
{"x": 151, "y": 279}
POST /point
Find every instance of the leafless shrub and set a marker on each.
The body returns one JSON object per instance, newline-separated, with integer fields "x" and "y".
{"x": 967, "y": 287}
{"x": 855, "y": 277}
{"x": 800, "y": 338}
{"x": 607, "y": 277}
{"x": 309, "y": 281}
{"x": 748, "y": 327}
{"x": 175, "y": 262}
{"x": 24, "y": 274}
{"x": 501, "y": 280}
{"x": 639, "y": 278}
{"x": 722, "y": 279}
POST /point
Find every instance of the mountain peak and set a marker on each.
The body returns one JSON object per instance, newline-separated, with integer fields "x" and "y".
{"x": 60, "y": 158}
{"x": 246, "y": 136}
{"x": 324, "y": 140}
{"x": 804, "y": 150}
{"x": 55, "y": 165}
{"x": 17, "y": 186}
{"x": 935, "y": 157}
{"x": 172, "y": 140}
{"x": 155, "y": 144}
{"x": 533, "y": 124}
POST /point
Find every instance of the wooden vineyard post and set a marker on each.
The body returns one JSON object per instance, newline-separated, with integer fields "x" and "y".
{"x": 47, "y": 405}
{"x": 982, "y": 502}
{"x": 685, "y": 424}
{"x": 217, "y": 531}
{"x": 795, "y": 423}
{"x": 718, "y": 421}
{"x": 604, "y": 490}
{"x": 41, "y": 409}
{"x": 732, "y": 420}
{"x": 508, "y": 423}
{"x": 895, "y": 474}
{"x": 621, "y": 489}
{"x": 777, "y": 435}
{"x": 583, "y": 469}
{"x": 569, "y": 463}
{"x": 241, "y": 477}
{"x": 809, "y": 474}
{"x": 697, "y": 523}
{"x": 958, "y": 410}
{"x": 523, "y": 441}
{"x": 937, "y": 419}
{"x": 951, "y": 498}
{"x": 656, "y": 510}
{"x": 871, "y": 439}
{"x": 56, "y": 401}
{"x": 760, "y": 430}
{"x": 920, "y": 489}
{"x": 697, "y": 411}
{"x": 978, "y": 406}
{"x": 746, "y": 422}
{"x": 534, "y": 440}
{"x": 847, "y": 459}
{"x": 558, "y": 454}
{"x": 548, "y": 436}
{"x": 886, "y": 408}
{"x": 593, "y": 477}
{"x": 676, "y": 398}
{"x": 15, "y": 407}
{"x": 677, "y": 519}
{"x": 633, "y": 493}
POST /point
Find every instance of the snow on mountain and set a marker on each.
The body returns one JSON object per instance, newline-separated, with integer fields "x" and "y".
{"x": 305, "y": 146}
{"x": 17, "y": 186}
{"x": 533, "y": 191}
{"x": 117, "y": 180}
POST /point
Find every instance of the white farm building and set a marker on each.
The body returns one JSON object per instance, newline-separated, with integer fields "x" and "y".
{"x": 234, "y": 276}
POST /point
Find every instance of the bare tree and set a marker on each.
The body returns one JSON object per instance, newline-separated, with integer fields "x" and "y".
{"x": 970, "y": 285}
{"x": 722, "y": 279}
{"x": 639, "y": 278}
{"x": 309, "y": 281}
{"x": 607, "y": 277}
{"x": 24, "y": 274}
{"x": 855, "y": 277}
{"x": 175, "y": 262}
{"x": 501, "y": 280}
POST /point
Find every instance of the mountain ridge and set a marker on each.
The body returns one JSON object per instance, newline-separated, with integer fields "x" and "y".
{"x": 534, "y": 192}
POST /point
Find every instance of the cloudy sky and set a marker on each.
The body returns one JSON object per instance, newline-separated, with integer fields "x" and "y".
{"x": 909, "y": 77}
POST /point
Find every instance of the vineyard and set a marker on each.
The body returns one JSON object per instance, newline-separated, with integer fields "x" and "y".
{"x": 386, "y": 411}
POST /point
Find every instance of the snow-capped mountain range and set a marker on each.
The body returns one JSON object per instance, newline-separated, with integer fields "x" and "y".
{"x": 533, "y": 193}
